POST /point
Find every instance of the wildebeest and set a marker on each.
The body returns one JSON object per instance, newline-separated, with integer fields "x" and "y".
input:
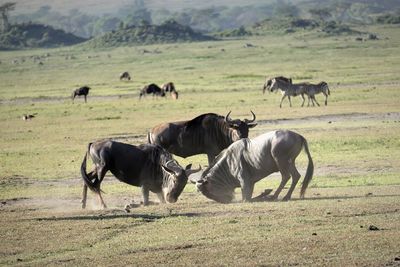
{"x": 125, "y": 76}
{"x": 151, "y": 89}
{"x": 206, "y": 134}
{"x": 169, "y": 87}
{"x": 312, "y": 89}
{"x": 247, "y": 161}
{"x": 84, "y": 90}
{"x": 288, "y": 89}
{"x": 268, "y": 82}
{"x": 149, "y": 166}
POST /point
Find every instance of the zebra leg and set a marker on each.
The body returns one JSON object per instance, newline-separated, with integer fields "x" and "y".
{"x": 326, "y": 99}
{"x": 283, "y": 97}
{"x": 315, "y": 100}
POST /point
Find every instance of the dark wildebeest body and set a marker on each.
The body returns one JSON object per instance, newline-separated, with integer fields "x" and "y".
{"x": 125, "y": 76}
{"x": 149, "y": 166}
{"x": 84, "y": 90}
{"x": 268, "y": 82}
{"x": 247, "y": 161}
{"x": 206, "y": 134}
{"x": 151, "y": 89}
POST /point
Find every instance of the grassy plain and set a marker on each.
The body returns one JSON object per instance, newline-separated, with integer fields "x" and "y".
{"x": 355, "y": 143}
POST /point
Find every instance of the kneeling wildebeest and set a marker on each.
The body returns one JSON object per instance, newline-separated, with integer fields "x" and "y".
{"x": 206, "y": 134}
{"x": 151, "y": 89}
{"x": 148, "y": 166}
{"x": 84, "y": 90}
{"x": 247, "y": 161}
{"x": 124, "y": 76}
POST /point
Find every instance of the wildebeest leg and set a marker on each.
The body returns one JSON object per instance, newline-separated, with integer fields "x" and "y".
{"x": 101, "y": 172}
{"x": 302, "y": 96}
{"x": 85, "y": 98}
{"x": 283, "y": 168}
{"x": 247, "y": 190}
{"x": 145, "y": 194}
{"x": 295, "y": 178}
{"x": 283, "y": 97}
{"x": 326, "y": 99}
{"x": 161, "y": 197}
{"x": 84, "y": 196}
{"x": 290, "y": 101}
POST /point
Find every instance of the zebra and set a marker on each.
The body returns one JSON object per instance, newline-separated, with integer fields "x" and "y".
{"x": 312, "y": 89}
{"x": 288, "y": 89}
{"x": 268, "y": 82}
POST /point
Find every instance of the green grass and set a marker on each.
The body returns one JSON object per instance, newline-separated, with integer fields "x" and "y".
{"x": 354, "y": 142}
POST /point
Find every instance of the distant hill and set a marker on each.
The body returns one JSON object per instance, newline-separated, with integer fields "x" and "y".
{"x": 22, "y": 36}
{"x": 168, "y": 32}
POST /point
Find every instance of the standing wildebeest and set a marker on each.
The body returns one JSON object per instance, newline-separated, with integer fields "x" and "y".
{"x": 149, "y": 166}
{"x": 125, "y": 76}
{"x": 84, "y": 90}
{"x": 151, "y": 89}
{"x": 288, "y": 89}
{"x": 312, "y": 89}
{"x": 247, "y": 161}
{"x": 206, "y": 134}
{"x": 268, "y": 82}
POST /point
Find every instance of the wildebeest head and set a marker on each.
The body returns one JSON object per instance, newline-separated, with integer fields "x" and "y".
{"x": 175, "y": 179}
{"x": 241, "y": 126}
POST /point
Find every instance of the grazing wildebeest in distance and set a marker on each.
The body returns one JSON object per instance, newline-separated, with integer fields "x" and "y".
{"x": 312, "y": 89}
{"x": 149, "y": 166}
{"x": 151, "y": 89}
{"x": 125, "y": 76}
{"x": 170, "y": 87}
{"x": 288, "y": 89}
{"x": 247, "y": 161}
{"x": 84, "y": 90}
{"x": 268, "y": 82}
{"x": 206, "y": 134}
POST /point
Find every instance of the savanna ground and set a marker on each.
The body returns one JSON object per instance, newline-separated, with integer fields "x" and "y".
{"x": 355, "y": 143}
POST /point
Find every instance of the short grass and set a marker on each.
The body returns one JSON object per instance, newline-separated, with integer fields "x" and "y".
{"x": 354, "y": 141}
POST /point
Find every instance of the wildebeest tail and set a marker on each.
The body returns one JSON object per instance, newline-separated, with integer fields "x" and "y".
{"x": 309, "y": 172}
{"x": 94, "y": 186}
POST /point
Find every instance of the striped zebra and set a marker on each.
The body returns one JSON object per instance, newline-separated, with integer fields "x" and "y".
{"x": 268, "y": 82}
{"x": 288, "y": 89}
{"x": 313, "y": 89}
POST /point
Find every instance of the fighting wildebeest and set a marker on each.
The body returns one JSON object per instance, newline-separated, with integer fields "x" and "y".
{"x": 84, "y": 90}
{"x": 312, "y": 89}
{"x": 268, "y": 82}
{"x": 125, "y": 76}
{"x": 149, "y": 166}
{"x": 151, "y": 89}
{"x": 247, "y": 161}
{"x": 206, "y": 134}
{"x": 288, "y": 89}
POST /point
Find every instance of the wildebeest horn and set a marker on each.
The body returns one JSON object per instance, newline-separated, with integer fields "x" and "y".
{"x": 191, "y": 171}
{"x": 249, "y": 121}
{"x": 227, "y": 119}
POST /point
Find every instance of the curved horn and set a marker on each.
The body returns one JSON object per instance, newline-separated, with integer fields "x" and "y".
{"x": 227, "y": 118}
{"x": 191, "y": 171}
{"x": 252, "y": 120}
